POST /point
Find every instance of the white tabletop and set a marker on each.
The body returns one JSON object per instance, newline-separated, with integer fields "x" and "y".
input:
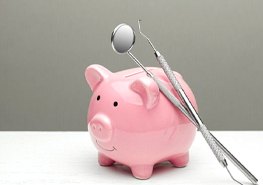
{"x": 55, "y": 158}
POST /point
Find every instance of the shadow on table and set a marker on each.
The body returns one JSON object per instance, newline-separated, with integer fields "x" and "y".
{"x": 158, "y": 169}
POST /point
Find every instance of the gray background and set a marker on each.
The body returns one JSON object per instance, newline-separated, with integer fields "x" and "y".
{"x": 45, "y": 46}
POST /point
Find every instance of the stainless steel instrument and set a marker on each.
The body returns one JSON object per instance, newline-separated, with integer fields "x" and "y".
{"x": 123, "y": 39}
{"x": 166, "y": 68}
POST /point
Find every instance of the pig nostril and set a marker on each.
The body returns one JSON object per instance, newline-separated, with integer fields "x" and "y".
{"x": 93, "y": 127}
{"x": 100, "y": 129}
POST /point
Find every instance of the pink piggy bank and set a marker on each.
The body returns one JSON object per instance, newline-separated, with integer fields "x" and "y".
{"x": 131, "y": 122}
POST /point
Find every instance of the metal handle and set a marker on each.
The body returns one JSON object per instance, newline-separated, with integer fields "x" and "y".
{"x": 197, "y": 119}
{"x": 209, "y": 139}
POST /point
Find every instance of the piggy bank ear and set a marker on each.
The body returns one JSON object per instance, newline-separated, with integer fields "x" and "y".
{"x": 148, "y": 91}
{"x": 95, "y": 74}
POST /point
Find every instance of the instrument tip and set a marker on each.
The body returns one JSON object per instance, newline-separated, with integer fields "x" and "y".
{"x": 149, "y": 41}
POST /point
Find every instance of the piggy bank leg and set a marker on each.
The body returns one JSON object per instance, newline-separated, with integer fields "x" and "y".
{"x": 104, "y": 160}
{"x": 142, "y": 171}
{"x": 180, "y": 160}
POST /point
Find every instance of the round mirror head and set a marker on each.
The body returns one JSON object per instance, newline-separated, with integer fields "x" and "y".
{"x": 122, "y": 38}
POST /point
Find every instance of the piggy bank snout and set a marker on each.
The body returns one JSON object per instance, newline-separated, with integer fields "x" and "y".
{"x": 100, "y": 127}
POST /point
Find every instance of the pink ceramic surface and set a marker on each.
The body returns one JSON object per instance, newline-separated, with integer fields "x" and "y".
{"x": 131, "y": 122}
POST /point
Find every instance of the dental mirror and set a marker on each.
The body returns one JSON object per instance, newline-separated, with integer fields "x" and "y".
{"x": 122, "y": 38}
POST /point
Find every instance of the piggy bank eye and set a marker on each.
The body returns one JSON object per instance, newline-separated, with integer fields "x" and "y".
{"x": 98, "y": 97}
{"x": 115, "y": 104}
